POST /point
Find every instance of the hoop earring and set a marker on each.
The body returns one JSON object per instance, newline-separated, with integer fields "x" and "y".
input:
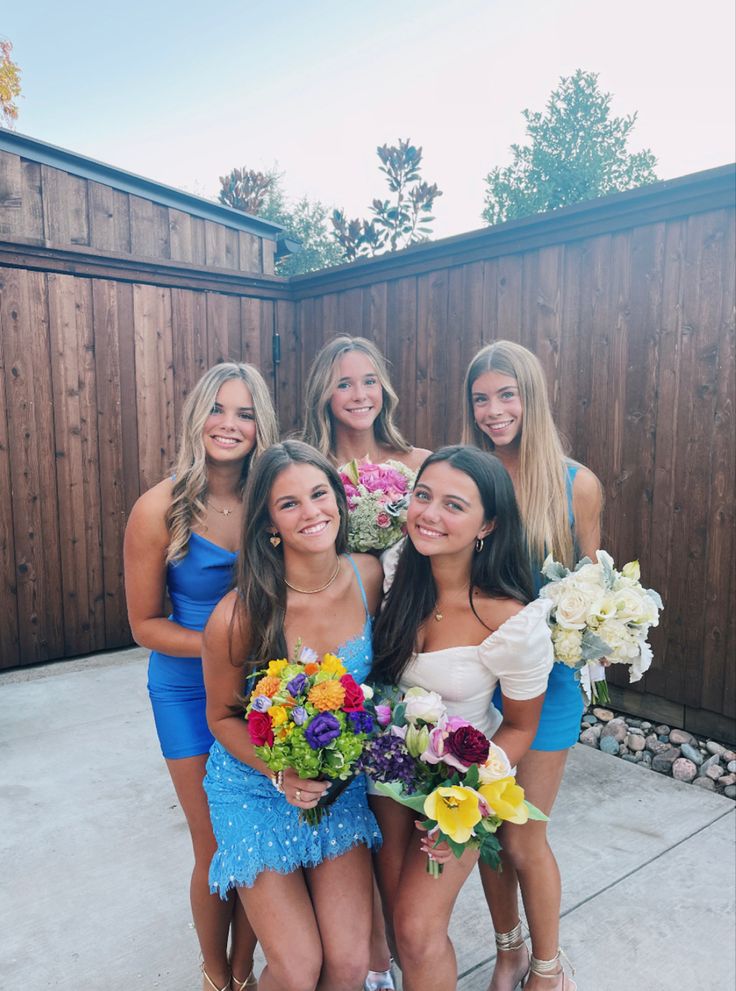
{"x": 479, "y": 545}
{"x": 275, "y": 540}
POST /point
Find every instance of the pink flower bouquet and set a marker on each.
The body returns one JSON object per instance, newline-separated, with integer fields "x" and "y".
{"x": 378, "y": 497}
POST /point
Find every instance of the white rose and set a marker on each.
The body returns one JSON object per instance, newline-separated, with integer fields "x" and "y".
{"x": 424, "y": 705}
{"x": 367, "y": 691}
{"x": 572, "y": 608}
{"x": 496, "y": 767}
{"x": 629, "y": 606}
{"x": 624, "y": 644}
{"x": 589, "y": 574}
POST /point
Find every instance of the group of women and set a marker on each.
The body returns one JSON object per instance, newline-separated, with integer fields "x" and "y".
{"x": 248, "y": 540}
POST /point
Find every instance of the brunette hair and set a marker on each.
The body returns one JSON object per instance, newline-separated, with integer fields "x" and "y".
{"x": 260, "y": 580}
{"x": 499, "y": 569}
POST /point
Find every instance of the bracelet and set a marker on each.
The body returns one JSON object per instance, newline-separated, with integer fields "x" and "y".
{"x": 277, "y": 780}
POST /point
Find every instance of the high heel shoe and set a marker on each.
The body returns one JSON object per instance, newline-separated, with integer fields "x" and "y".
{"x": 552, "y": 970}
{"x": 225, "y": 987}
{"x": 513, "y": 940}
{"x": 380, "y": 980}
{"x": 251, "y": 981}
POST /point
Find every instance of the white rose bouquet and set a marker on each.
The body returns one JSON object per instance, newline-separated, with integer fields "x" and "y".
{"x": 600, "y": 612}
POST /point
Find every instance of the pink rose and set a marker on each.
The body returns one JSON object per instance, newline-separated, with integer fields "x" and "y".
{"x": 383, "y": 520}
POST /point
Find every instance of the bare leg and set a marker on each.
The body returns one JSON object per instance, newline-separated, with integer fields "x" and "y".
{"x": 212, "y": 916}
{"x": 529, "y": 864}
{"x": 380, "y": 955}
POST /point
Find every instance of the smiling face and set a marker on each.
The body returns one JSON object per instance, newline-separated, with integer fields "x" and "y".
{"x": 445, "y": 515}
{"x": 230, "y": 430}
{"x": 303, "y": 509}
{"x": 497, "y": 407}
{"x": 357, "y": 397}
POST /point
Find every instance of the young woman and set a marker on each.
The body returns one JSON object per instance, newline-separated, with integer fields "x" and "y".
{"x": 507, "y": 412}
{"x": 457, "y": 621}
{"x": 349, "y": 413}
{"x": 350, "y": 406}
{"x": 307, "y": 890}
{"x": 182, "y": 539}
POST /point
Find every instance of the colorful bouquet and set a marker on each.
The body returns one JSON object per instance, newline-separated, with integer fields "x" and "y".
{"x": 309, "y": 715}
{"x": 600, "y": 612}
{"x": 378, "y": 497}
{"x": 446, "y": 769}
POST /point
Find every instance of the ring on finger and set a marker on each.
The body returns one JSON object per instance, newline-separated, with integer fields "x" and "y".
{"x": 298, "y": 794}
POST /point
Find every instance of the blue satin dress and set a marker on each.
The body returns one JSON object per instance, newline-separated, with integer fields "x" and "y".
{"x": 559, "y": 723}
{"x": 196, "y": 584}
{"x": 258, "y": 830}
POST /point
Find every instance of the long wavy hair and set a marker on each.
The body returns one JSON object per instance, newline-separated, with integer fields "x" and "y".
{"x": 499, "y": 569}
{"x": 261, "y": 604}
{"x": 319, "y": 426}
{"x": 542, "y": 482}
{"x": 190, "y": 484}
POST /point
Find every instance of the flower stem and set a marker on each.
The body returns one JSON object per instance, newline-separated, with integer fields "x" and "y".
{"x": 599, "y": 692}
{"x": 433, "y": 868}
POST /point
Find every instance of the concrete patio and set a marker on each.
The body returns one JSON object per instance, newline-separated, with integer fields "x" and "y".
{"x": 94, "y": 855}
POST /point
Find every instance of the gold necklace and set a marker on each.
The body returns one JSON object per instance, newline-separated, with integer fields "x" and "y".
{"x": 222, "y": 512}
{"x": 313, "y": 591}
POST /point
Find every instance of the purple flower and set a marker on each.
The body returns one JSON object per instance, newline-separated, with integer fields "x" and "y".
{"x": 261, "y": 703}
{"x": 297, "y": 684}
{"x": 387, "y": 759}
{"x": 383, "y": 714}
{"x": 361, "y": 722}
{"x": 322, "y": 730}
{"x": 298, "y": 715}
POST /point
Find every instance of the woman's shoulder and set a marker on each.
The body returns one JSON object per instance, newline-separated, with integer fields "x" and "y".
{"x": 495, "y": 611}
{"x": 371, "y": 575}
{"x": 516, "y": 623}
{"x": 586, "y": 486}
{"x": 148, "y": 514}
{"x": 413, "y": 459}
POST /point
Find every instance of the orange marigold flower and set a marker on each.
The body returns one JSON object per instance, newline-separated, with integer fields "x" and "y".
{"x": 268, "y": 686}
{"x": 311, "y": 668}
{"x": 327, "y": 695}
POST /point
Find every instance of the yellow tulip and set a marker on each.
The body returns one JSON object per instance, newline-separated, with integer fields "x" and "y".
{"x": 278, "y": 715}
{"x": 456, "y": 811}
{"x": 506, "y": 800}
{"x": 332, "y": 665}
{"x": 276, "y": 667}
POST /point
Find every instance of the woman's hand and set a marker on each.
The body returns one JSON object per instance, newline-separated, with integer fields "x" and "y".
{"x": 304, "y": 793}
{"x": 440, "y": 852}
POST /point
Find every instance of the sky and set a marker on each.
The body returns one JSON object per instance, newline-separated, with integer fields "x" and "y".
{"x": 183, "y": 92}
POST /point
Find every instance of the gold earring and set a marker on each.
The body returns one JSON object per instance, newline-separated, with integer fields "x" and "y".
{"x": 479, "y": 545}
{"x": 275, "y": 540}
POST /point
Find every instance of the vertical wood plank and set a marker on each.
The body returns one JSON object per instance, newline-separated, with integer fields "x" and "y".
{"x": 189, "y": 344}
{"x": 154, "y": 382}
{"x": 223, "y": 328}
{"x": 180, "y": 236}
{"x": 401, "y": 341}
{"x": 268, "y": 256}
{"x": 101, "y": 207}
{"x": 288, "y": 374}
{"x": 121, "y": 221}
{"x": 24, "y": 320}
{"x": 464, "y": 330}
{"x": 214, "y": 244}
{"x": 431, "y": 363}
{"x": 64, "y": 199}
{"x": 142, "y": 230}
{"x": 77, "y": 461}
{"x": 32, "y": 202}
{"x": 249, "y": 253}
{"x": 250, "y": 331}
{"x": 11, "y": 195}
{"x": 374, "y": 314}
{"x": 161, "y": 231}
{"x": 9, "y": 634}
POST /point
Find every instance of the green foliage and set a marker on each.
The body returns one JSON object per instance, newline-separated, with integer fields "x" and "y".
{"x": 9, "y": 85}
{"x": 397, "y": 222}
{"x": 577, "y": 151}
{"x": 261, "y": 194}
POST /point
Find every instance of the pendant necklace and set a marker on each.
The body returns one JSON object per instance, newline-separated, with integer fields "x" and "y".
{"x": 313, "y": 591}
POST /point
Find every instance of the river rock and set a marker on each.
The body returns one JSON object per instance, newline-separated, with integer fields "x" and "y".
{"x": 728, "y": 756}
{"x": 710, "y": 762}
{"x": 684, "y": 769}
{"x": 731, "y": 766}
{"x": 730, "y": 792}
{"x": 635, "y": 743}
{"x": 590, "y": 719}
{"x": 715, "y": 748}
{"x": 692, "y": 753}
{"x": 662, "y": 729}
{"x": 704, "y": 783}
{"x": 589, "y": 738}
{"x": 615, "y": 728}
{"x": 609, "y": 745}
{"x": 680, "y": 736}
{"x": 605, "y": 715}
{"x": 714, "y": 772}
{"x": 727, "y": 780}
{"x": 663, "y": 762}
{"x": 654, "y": 745}
{"x": 631, "y": 758}
{"x": 646, "y": 726}
{"x": 635, "y": 731}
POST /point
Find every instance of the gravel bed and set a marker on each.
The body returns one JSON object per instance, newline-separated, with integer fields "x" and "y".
{"x": 704, "y": 763}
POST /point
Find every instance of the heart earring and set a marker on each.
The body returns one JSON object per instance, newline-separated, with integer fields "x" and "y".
{"x": 275, "y": 540}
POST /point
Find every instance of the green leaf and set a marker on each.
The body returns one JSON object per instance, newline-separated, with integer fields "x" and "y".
{"x": 395, "y": 791}
{"x": 535, "y": 813}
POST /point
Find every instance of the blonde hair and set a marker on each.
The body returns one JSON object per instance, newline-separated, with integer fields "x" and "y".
{"x": 190, "y": 483}
{"x": 319, "y": 427}
{"x": 541, "y": 490}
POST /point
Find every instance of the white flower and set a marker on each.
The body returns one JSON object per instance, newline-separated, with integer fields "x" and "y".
{"x": 632, "y": 571}
{"x": 641, "y": 663}
{"x": 367, "y": 691}
{"x": 589, "y": 574}
{"x": 630, "y": 605}
{"x": 624, "y": 643}
{"x": 420, "y": 704}
{"x": 496, "y": 767}
{"x": 572, "y": 608}
{"x": 601, "y": 609}
{"x": 568, "y": 645}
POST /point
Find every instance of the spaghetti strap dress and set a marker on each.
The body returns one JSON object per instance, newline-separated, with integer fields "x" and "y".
{"x": 195, "y": 584}
{"x": 258, "y": 830}
{"x": 559, "y": 723}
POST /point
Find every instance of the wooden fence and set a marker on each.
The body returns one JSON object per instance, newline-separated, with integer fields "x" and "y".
{"x": 628, "y": 302}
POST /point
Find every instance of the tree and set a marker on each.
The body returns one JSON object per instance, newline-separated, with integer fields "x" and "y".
{"x": 261, "y": 194}
{"x": 9, "y": 85}
{"x": 577, "y": 151}
{"x": 398, "y": 222}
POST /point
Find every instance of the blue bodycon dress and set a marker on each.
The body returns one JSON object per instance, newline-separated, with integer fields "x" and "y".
{"x": 559, "y": 724}
{"x": 258, "y": 830}
{"x": 196, "y": 584}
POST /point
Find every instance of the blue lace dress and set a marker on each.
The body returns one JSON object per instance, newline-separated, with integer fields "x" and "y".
{"x": 258, "y": 830}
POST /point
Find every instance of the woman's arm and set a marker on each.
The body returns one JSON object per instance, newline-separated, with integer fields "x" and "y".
{"x": 519, "y": 726}
{"x": 587, "y": 505}
{"x": 144, "y": 555}
{"x": 223, "y": 644}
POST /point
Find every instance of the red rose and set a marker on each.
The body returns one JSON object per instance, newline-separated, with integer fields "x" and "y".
{"x": 259, "y": 727}
{"x": 469, "y": 745}
{"x": 353, "y": 694}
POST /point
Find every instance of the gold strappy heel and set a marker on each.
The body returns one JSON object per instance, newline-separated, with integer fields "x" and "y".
{"x": 552, "y": 969}
{"x": 225, "y": 987}
{"x": 513, "y": 940}
{"x": 251, "y": 981}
